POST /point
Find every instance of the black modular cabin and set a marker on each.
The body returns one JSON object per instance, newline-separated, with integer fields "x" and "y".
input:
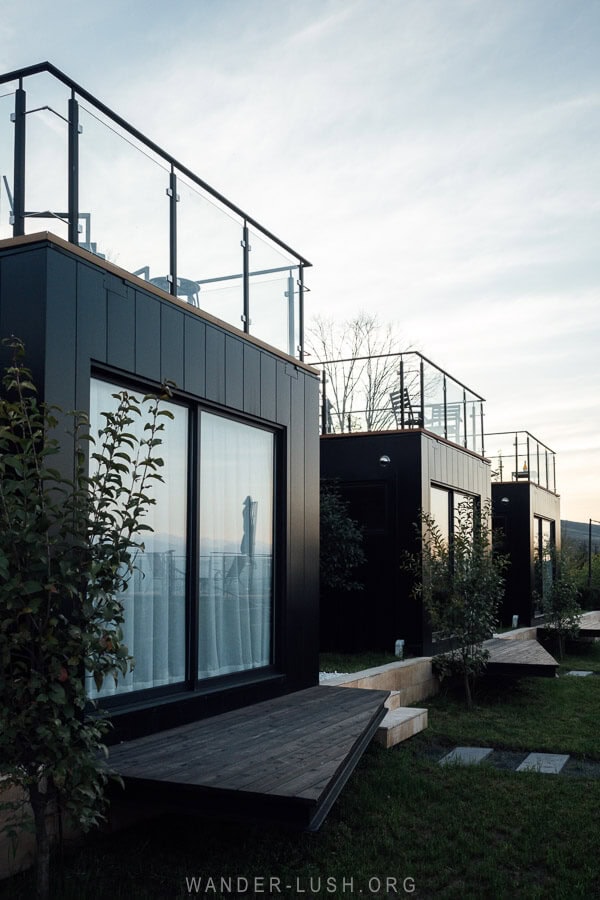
{"x": 412, "y": 444}
{"x": 526, "y": 517}
{"x": 120, "y": 268}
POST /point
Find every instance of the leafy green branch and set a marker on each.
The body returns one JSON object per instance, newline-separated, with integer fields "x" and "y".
{"x": 68, "y": 548}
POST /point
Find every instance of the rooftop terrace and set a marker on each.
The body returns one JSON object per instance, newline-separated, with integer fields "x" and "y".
{"x": 519, "y": 456}
{"x": 399, "y": 392}
{"x": 72, "y": 166}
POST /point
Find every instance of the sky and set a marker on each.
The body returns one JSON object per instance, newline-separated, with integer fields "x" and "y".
{"x": 438, "y": 162}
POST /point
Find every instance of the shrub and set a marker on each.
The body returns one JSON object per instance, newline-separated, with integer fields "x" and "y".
{"x": 560, "y": 601}
{"x": 460, "y": 582}
{"x": 67, "y": 550}
{"x": 341, "y": 546}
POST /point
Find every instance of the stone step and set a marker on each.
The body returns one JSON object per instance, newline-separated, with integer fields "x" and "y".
{"x": 394, "y": 700}
{"x": 400, "y": 724}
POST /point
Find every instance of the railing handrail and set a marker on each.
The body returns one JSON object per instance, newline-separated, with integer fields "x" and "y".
{"x": 516, "y": 431}
{"x": 38, "y": 68}
{"x": 329, "y": 362}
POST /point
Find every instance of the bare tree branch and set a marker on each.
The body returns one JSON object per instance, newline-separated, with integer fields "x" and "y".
{"x": 360, "y": 359}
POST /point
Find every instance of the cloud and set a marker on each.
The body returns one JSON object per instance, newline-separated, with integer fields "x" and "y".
{"x": 437, "y": 162}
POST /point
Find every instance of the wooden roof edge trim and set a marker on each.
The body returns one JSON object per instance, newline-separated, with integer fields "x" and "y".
{"x": 113, "y": 269}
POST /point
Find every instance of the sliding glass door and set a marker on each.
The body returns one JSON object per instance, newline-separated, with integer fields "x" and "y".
{"x": 155, "y": 606}
{"x": 236, "y": 546}
{"x": 233, "y": 508}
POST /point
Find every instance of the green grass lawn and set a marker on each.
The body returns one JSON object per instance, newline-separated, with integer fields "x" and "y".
{"x": 559, "y": 715}
{"x": 345, "y": 662}
{"x": 457, "y": 832}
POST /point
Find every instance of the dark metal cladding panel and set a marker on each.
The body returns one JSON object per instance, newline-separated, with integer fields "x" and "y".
{"x": 298, "y": 631}
{"x": 234, "y": 372}
{"x": 23, "y": 304}
{"x": 116, "y": 285}
{"x": 511, "y": 510}
{"x": 171, "y": 344}
{"x": 515, "y": 506}
{"x": 61, "y": 329}
{"x": 311, "y": 524}
{"x": 147, "y": 335}
{"x": 252, "y": 356}
{"x": 284, "y": 391}
{"x": 194, "y": 336}
{"x": 121, "y": 330}
{"x": 61, "y": 350}
{"x": 91, "y": 327}
{"x": 385, "y": 500}
{"x": 215, "y": 364}
{"x": 268, "y": 387}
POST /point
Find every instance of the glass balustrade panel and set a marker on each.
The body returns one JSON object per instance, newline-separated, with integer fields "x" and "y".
{"x": 274, "y": 295}
{"x": 123, "y": 201}
{"x": 209, "y": 254}
{"x": 522, "y": 462}
{"x": 46, "y": 156}
{"x": 455, "y": 412}
{"x": 474, "y": 440}
{"x": 433, "y": 395}
{"x": 7, "y": 139}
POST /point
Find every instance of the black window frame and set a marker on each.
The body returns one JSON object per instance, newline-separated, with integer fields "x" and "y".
{"x": 192, "y": 685}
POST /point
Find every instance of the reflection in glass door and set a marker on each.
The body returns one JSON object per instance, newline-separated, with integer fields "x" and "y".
{"x": 236, "y": 546}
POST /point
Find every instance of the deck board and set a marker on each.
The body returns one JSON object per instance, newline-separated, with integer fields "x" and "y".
{"x": 592, "y": 630}
{"x": 292, "y": 755}
{"x": 519, "y": 657}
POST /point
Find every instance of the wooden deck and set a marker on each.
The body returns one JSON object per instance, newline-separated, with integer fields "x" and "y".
{"x": 514, "y": 657}
{"x": 284, "y": 760}
{"x": 590, "y": 631}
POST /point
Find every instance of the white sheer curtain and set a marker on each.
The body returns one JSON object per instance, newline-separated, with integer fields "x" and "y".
{"x": 154, "y": 629}
{"x": 236, "y": 546}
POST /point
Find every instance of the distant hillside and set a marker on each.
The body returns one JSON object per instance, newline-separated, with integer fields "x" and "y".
{"x": 579, "y": 532}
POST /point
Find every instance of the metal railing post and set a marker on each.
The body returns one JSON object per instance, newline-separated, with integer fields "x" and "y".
{"x": 301, "y": 312}
{"x": 291, "y": 315}
{"x": 402, "y": 393}
{"x": 173, "y": 199}
{"x": 246, "y": 277}
{"x": 444, "y": 394}
{"x": 73, "y": 179}
{"x": 482, "y": 430}
{"x": 19, "y": 163}
{"x": 422, "y": 389}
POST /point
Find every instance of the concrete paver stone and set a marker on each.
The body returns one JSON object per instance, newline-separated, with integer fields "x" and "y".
{"x": 466, "y": 756}
{"x": 547, "y": 763}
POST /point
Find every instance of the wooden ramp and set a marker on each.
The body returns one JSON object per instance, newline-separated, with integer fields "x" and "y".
{"x": 514, "y": 657}
{"x": 284, "y": 760}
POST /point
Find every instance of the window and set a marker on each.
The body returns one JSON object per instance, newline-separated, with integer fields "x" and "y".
{"x": 232, "y": 602}
{"x": 454, "y": 513}
{"x": 155, "y": 608}
{"x": 543, "y": 548}
{"x": 236, "y": 546}
{"x": 440, "y": 510}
